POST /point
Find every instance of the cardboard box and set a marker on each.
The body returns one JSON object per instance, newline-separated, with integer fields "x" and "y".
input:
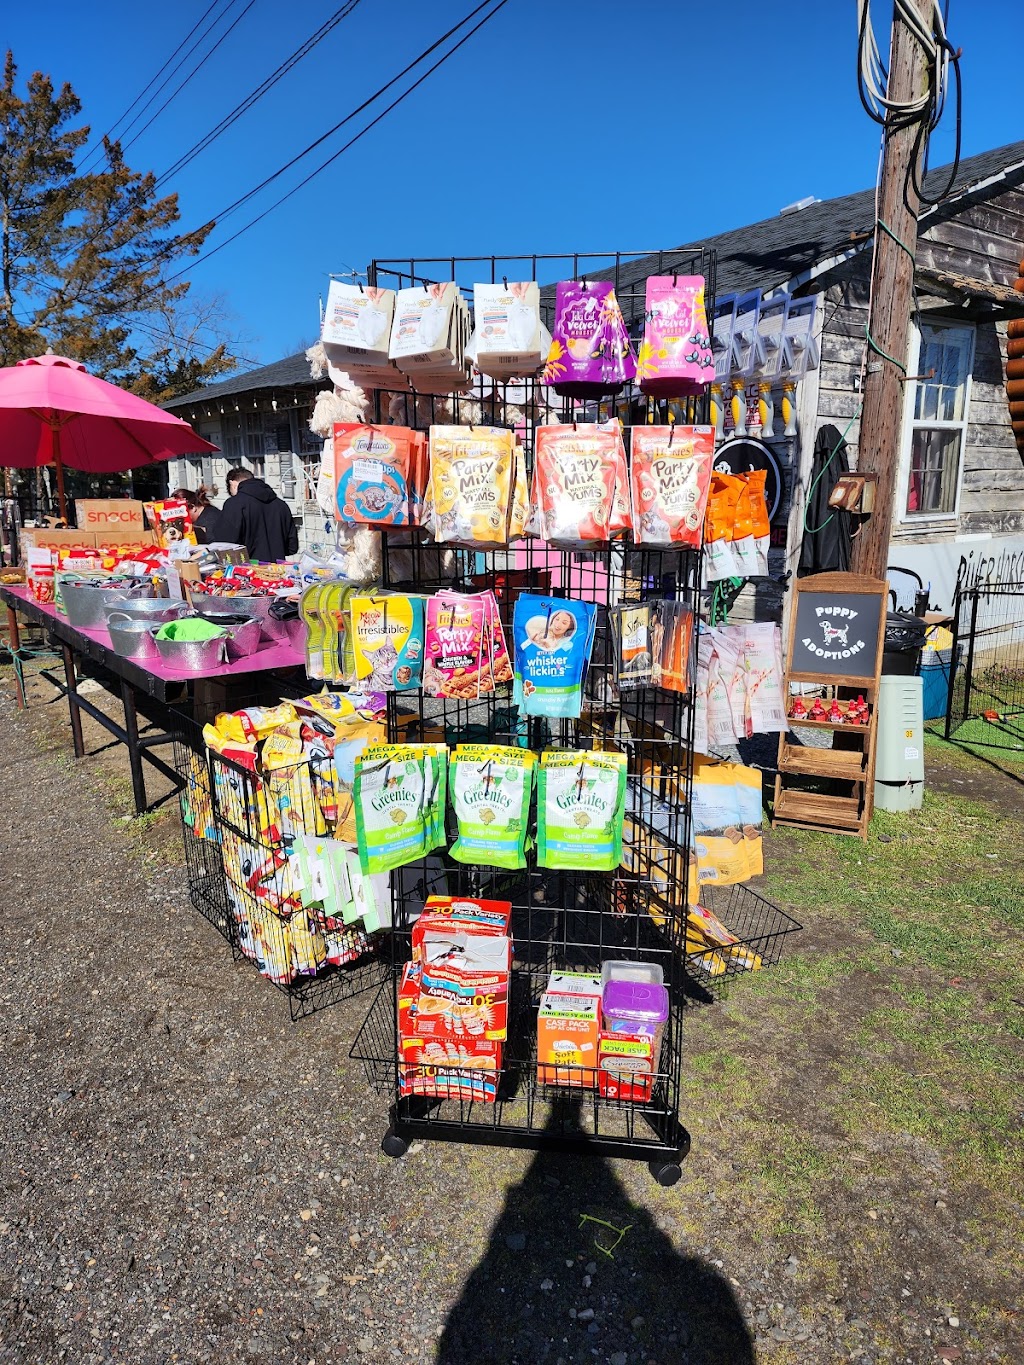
{"x": 569, "y": 1030}
{"x": 124, "y": 540}
{"x": 478, "y": 1023}
{"x": 42, "y": 538}
{"x": 459, "y": 915}
{"x": 476, "y": 1080}
{"x": 120, "y": 515}
{"x": 627, "y": 1066}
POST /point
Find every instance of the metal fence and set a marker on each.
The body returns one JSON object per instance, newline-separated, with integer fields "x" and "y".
{"x": 986, "y": 694}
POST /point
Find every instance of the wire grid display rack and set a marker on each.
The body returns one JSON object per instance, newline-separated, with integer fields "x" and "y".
{"x": 238, "y": 872}
{"x": 560, "y": 920}
{"x": 985, "y": 701}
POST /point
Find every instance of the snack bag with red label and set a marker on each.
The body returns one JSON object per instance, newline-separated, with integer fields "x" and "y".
{"x": 671, "y": 472}
{"x": 171, "y": 522}
{"x": 574, "y": 483}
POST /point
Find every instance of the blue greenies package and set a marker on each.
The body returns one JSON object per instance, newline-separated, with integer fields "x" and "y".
{"x": 399, "y": 794}
{"x": 491, "y": 788}
{"x": 553, "y": 637}
{"x": 581, "y": 799}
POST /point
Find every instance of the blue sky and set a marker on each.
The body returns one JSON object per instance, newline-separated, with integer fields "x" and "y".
{"x": 589, "y": 124}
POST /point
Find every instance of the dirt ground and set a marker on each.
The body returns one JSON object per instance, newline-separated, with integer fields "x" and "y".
{"x": 186, "y": 1175}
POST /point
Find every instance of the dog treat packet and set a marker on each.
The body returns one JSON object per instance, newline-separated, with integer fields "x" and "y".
{"x": 507, "y": 338}
{"x": 171, "y": 522}
{"x": 422, "y": 334}
{"x": 590, "y": 352}
{"x": 552, "y": 638}
{"x": 723, "y": 557}
{"x": 375, "y": 471}
{"x": 471, "y": 475}
{"x": 581, "y": 801}
{"x": 671, "y": 472}
{"x": 387, "y": 639}
{"x": 675, "y": 358}
{"x": 491, "y": 787}
{"x": 676, "y": 631}
{"x": 575, "y": 472}
{"x": 631, "y": 632}
{"x": 760, "y": 525}
{"x": 718, "y": 838}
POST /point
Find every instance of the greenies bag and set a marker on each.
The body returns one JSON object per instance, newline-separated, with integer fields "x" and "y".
{"x": 491, "y": 787}
{"x": 399, "y": 795}
{"x": 581, "y": 799}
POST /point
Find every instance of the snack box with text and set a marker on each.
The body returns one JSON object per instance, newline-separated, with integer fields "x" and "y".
{"x": 468, "y": 976}
{"x": 478, "y": 1025}
{"x": 569, "y": 1030}
{"x": 626, "y": 1066}
{"x": 448, "y": 1071}
{"x": 459, "y": 915}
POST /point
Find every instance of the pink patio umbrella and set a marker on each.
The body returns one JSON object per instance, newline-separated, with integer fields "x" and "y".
{"x": 53, "y": 411}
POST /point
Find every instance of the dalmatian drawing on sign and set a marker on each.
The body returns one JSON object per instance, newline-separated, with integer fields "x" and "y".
{"x": 834, "y": 633}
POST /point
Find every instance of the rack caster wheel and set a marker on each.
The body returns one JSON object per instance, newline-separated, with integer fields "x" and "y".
{"x": 393, "y": 1145}
{"x": 666, "y": 1173}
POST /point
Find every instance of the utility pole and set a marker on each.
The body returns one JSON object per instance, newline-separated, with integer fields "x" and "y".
{"x": 892, "y": 293}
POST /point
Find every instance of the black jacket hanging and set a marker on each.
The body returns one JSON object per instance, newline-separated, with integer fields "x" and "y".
{"x": 826, "y": 530}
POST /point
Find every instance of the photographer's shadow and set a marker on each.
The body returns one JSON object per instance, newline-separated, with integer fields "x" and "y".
{"x": 577, "y": 1272}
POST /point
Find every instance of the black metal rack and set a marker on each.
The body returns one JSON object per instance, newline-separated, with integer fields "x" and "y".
{"x": 563, "y": 920}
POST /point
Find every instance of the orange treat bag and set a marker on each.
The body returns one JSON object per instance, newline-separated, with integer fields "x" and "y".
{"x": 574, "y": 483}
{"x": 671, "y": 471}
{"x": 720, "y": 560}
{"x": 374, "y": 474}
{"x": 756, "y": 481}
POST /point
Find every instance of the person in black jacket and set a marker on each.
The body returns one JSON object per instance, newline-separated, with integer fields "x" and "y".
{"x": 254, "y": 516}
{"x": 205, "y": 517}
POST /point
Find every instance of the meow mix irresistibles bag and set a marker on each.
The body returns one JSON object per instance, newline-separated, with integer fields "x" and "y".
{"x": 471, "y": 483}
{"x": 375, "y": 473}
{"x": 552, "y": 638}
{"x": 387, "y": 640}
{"x": 581, "y": 799}
{"x": 675, "y": 357}
{"x": 491, "y": 786}
{"x": 590, "y": 352}
{"x": 670, "y": 475}
{"x": 576, "y": 472}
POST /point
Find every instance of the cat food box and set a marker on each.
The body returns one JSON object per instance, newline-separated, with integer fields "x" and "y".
{"x": 569, "y": 1030}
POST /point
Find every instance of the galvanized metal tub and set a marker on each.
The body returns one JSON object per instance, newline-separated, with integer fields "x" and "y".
{"x": 192, "y": 656}
{"x": 84, "y": 603}
{"x": 131, "y": 638}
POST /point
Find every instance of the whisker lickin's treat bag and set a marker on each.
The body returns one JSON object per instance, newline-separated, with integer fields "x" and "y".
{"x": 552, "y": 639}
{"x": 581, "y": 803}
{"x": 590, "y": 351}
{"x": 491, "y": 787}
{"x": 471, "y": 482}
{"x": 387, "y": 638}
{"x": 671, "y": 472}
{"x": 675, "y": 356}
{"x": 576, "y": 471}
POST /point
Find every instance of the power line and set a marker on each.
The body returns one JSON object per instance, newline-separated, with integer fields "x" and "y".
{"x": 254, "y": 96}
{"x": 192, "y": 74}
{"x": 89, "y": 157}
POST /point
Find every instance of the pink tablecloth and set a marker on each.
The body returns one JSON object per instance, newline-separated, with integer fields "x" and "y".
{"x": 271, "y": 654}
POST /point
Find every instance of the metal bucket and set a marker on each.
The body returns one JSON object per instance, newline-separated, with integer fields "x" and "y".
{"x": 131, "y": 638}
{"x": 192, "y": 656}
{"x": 258, "y": 607}
{"x": 282, "y": 627}
{"x": 84, "y": 603}
{"x": 153, "y": 611}
{"x": 244, "y": 633}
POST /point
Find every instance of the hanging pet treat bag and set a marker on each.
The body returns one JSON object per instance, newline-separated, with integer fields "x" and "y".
{"x": 760, "y": 525}
{"x": 574, "y": 483}
{"x": 387, "y": 639}
{"x": 356, "y": 332}
{"x": 765, "y": 707}
{"x": 590, "y": 352}
{"x": 491, "y": 787}
{"x": 374, "y": 471}
{"x": 677, "y": 627}
{"x": 622, "y": 513}
{"x": 507, "y": 333}
{"x": 581, "y": 801}
{"x": 399, "y": 794}
{"x": 494, "y": 653}
{"x": 671, "y": 472}
{"x": 675, "y": 358}
{"x": 631, "y": 631}
{"x": 749, "y": 797}
{"x": 471, "y": 473}
{"x": 718, "y": 826}
{"x": 454, "y": 664}
{"x": 422, "y": 336}
{"x": 553, "y": 638}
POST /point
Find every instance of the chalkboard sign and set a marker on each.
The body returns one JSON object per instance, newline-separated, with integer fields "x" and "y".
{"x": 837, "y": 633}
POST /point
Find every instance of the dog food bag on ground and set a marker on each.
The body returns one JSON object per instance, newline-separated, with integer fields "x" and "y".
{"x": 670, "y": 476}
{"x": 388, "y": 640}
{"x": 375, "y": 472}
{"x": 552, "y": 640}
{"x": 471, "y": 483}
{"x": 575, "y": 475}
{"x": 581, "y": 799}
{"x": 590, "y": 351}
{"x": 491, "y": 788}
{"x": 675, "y": 358}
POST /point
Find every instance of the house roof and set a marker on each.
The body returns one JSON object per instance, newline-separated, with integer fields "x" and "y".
{"x": 759, "y": 256}
{"x": 290, "y": 373}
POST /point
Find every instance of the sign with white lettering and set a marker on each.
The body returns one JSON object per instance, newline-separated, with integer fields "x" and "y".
{"x": 836, "y": 633}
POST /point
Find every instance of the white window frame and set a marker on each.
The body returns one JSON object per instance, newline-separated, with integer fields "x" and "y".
{"x": 906, "y": 518}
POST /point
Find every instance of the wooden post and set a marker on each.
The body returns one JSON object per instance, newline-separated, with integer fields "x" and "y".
{"x": 892, "y": 290}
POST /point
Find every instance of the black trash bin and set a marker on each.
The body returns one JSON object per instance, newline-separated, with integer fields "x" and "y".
{"x": 904, "y": 640}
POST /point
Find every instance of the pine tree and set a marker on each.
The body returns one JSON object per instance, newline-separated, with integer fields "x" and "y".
{"x": 85, "y": 256}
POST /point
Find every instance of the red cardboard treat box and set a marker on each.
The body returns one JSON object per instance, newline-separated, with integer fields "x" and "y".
{"x": 626, "y": 1067}
{"x": 459, "y": 915}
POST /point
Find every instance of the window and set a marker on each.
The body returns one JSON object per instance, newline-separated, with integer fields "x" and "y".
{"x": 938, "y": 425}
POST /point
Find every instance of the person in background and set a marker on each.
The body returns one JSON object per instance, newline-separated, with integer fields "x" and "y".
{"x": 205, "y": 517}
{"x": 254, "y": 516}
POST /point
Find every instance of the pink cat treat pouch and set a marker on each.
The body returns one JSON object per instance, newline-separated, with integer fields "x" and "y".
{"x": 675, "y": 358}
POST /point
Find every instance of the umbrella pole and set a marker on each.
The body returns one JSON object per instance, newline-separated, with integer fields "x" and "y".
{"x": 62, "y": 506}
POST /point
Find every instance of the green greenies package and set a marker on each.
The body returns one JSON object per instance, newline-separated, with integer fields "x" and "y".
{"x": 553, "y": 637}
{"x": 399, "y": 795}
{"x": 581, "y": 799}
{"x": 491, "y": 787}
